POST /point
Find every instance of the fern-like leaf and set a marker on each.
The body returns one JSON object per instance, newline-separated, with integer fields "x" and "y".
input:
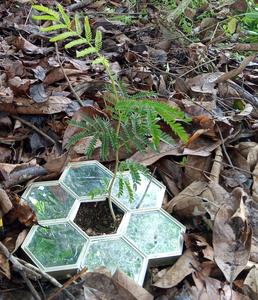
{"x": 75, "y": 43}
{"x": 47, "y": 11}
{"x": 98, "y": 40}
{"x": 78, "y": 24}
{"x": 85, "y": 52}
{"x": 64, "y": 15}
{"x": 53, "y": 28}
{"x": 129, "y": 190}
{"x": 88, "y": 33}
{"x": 92, "y": 145}
{"x": 63, "y": 36}
{"x": 44, "y": 18}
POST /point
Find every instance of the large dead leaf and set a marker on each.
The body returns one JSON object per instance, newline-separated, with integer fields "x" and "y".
{"x": 232, "y": 238}
{"x": 251, "y": 283}
{"x": 185, "y": 265}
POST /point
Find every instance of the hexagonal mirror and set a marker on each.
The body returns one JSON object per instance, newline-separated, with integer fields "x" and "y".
{"x": 55, "y": 246}
{"x": 86, "y": 178}
{"x": 148, "y": 194}
{"x": 116, "y": 253}
{"x": 49, "y": 200}
{"x": 155, "y": 233}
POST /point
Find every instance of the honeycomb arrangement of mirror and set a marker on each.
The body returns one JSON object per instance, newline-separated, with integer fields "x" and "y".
{"x": 146, "y": 234}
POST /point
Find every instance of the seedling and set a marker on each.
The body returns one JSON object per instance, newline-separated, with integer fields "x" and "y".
{"x": 137, "y": 119}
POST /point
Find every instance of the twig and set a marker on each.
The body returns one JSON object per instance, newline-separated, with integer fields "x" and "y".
{"x": 45, "y": 275}
{"x": 67, "y": 283}
{"x": 20, "y": 269}
{"x": 216, "y": 167}
{"x": 198, "y": 66}
{"x": 224, "y": 147}
{"x": 147, "y": 187}
{"x": 66, "y": 77}
{"x": 35, "y": 129}
{"x": 79, "y": 5}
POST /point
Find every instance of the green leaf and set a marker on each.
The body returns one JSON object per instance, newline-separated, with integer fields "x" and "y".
{"x": 101, "y": 61}
{"x": 78, "y": 24}
{"x": 232, "y": 25}
{"x": 85, "y": 52}
{"x": 63, "y": 36}
{"x": 75, "y": 43}
{"x": 53, "y": 28}
{"x": 47, "y": 11}
{"x": 87, "y": 28}
{"x": 64, "y": 15}
{"x": 98, "y": 40}
{"x": 44, "y": 18}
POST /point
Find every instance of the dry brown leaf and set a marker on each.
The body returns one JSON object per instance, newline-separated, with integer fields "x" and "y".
{"x": 4, "y": 266}
{"x": 27, "y": 106}
{"x": 185, "y": 265}
{"x": 5, "y": 203}
{"x": 204, "y": 148}
{"x": 130, "y": 285}
{"x": 232, "y": 238}
{"x": 251, "y": 283}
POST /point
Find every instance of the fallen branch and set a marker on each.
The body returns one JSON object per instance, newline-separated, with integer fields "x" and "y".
{"x": 18, "y": 267}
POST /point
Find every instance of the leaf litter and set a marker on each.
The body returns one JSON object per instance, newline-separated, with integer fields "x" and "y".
{"x": 201, "y": 58}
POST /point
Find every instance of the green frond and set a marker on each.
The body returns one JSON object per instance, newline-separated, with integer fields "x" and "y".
{"x": 44, "y": 18}
{"x": 85, "y": 52}
{"x": 63, "y": 36}
{"x": 179, "y": 130}
{"x": 87, "y": 28}
{"x": 64, "y": 15}
{"x": 75, "y": 43}
{"x": 92, "y": 145}
{"x": 78, "y": 24}
{"x": 53, "y": 28}
{"x": 120, "y": 186}
{"x": 47, "y": 11}
{"x": 98, "y": 40}
{"x": 129, "y": 190}
{"x": 76, "y": 138}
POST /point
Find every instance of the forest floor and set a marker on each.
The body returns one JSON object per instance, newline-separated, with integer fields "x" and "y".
{"x": 198, "y": 56}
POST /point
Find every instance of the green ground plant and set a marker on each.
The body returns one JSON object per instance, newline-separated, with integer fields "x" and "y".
{"x": 134, "y": 121}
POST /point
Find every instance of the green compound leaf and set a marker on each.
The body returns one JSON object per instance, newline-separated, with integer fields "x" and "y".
{"x": 88, "y": 33}
{"x": 47, "y": 11}
{"x": 64, "y": 15}
{"x": 78, "y": 24}
{"x": 44, "y": 18}
{"x": 53, "y": 28}
{"x": 75, "y": 43}
{"x": 85, "y": 52}
{"x": 98, "y": 40}
{"x": 63, "y": 36}
{"x": 101, "y": 61}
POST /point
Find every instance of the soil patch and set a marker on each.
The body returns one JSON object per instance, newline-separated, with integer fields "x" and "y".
{"x": 95, "y": 218}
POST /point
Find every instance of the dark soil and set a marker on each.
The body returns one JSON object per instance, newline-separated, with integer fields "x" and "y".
{"x": 95, "y": 218}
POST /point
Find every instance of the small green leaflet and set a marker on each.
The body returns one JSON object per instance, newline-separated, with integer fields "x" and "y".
{"x": 98, "y": 40}
{"x": 44, "y": 18}
{"x": 64, "y": 15}
{"x": 53, "y": 28}
{"x": 85, "y": 52}
{"x": 78, "y": 24}
{"x": 75, "y": 43}
{"x": 87, "y": 28}
{"x": 47, "y": 11}
{"x": 63, "y": 36}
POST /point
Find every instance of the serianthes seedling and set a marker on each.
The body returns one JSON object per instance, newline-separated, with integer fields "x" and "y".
{"x": 133, "y": 123}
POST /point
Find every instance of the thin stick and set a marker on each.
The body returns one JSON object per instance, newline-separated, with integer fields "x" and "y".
{"x": 20, "y": 269}
{"x": 68, "y": 283}
{"x": 147, "y": 187}
{"x": 66, "y": 77}
{"x": 45, "y": 275}
{"x": 198, "y": 66}
{"x": 35, "y": 129}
